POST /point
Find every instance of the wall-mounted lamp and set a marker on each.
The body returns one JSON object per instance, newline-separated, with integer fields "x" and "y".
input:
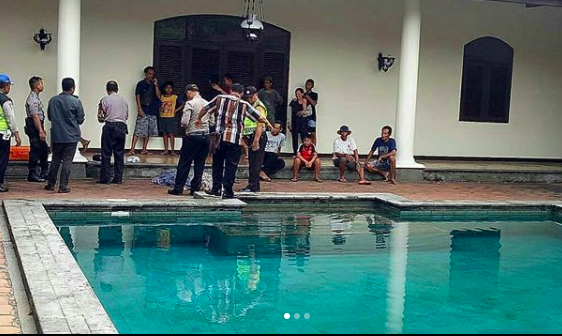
{"x": 385, "y": 62}
{"x": 43, "y": 38}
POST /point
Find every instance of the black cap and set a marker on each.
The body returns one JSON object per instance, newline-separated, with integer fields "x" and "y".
{"x": 192, "y": 87}
{"x": 238, "y": 88}
{"x": 250, "y": 92}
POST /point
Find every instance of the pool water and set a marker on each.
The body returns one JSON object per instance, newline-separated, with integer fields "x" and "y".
{"x": 341, "y": 273}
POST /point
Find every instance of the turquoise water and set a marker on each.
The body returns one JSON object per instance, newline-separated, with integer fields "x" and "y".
{"x": 350, "y": 273}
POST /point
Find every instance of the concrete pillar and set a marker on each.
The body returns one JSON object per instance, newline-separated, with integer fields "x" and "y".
{"x": 68, "y": 57}
{"x": 408, "y": 85}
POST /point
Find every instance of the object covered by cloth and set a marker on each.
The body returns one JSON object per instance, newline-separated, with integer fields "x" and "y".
{"x": 168, "y": 179}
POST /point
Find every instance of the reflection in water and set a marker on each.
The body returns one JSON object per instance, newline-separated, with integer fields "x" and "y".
{"x": 396, "y": 293}
{"x": 341, "y": 226}
{"x": 109, "y": 261}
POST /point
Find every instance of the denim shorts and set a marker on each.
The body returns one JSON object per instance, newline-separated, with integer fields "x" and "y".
{"x": 147, "y": 126}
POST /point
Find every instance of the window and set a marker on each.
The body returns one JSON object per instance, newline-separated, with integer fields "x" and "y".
{"x": 487, "y": 80}
{"x": 191, "y": 49}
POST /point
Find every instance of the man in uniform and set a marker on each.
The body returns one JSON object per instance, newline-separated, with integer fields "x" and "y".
{"x": 35, "y": 130}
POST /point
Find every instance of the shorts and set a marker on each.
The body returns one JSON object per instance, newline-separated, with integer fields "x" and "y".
{"x": 168, "y": 126}
{"x": 382, "y": 165}
{"x": 147, "y": 127}
{"x": 351, "y": 165}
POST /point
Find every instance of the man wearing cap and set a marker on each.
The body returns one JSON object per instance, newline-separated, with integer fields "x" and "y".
{"x": 66, "y": 114}
{"x": 113, "y": 110}
{"x": 8, "y": 127}
{"x": 196, "y": 142}
{"x": 230, "y": 112}
{"x": 256, "y": 139}
{"x": 35, "y": 130}
{"x": 346, "y": 156}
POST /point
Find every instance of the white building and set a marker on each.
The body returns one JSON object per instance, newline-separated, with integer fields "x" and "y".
{"x": 512, "y": 77}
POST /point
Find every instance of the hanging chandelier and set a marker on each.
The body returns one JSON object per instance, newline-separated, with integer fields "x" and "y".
{"x": 252, "y": 26}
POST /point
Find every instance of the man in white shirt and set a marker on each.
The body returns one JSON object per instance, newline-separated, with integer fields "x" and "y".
{"x": 8, "y": 127}
{"x": 346, "y": 156}
{"x": 273, "y": 163}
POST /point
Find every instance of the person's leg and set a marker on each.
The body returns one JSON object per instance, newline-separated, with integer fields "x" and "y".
{"x": 67, "y": 157}
{"x": 268, "y": 164}
{"x": 218, "y": 168}
{"x": 34, "y": 158}
{"x": 317, "y": 169}
{"x": 55, "y": 164}
{"x": 361, "y": 172}
{"x": 106, "y": 153}
{"x": 145, "y": 146}
{"x": 393, "y": 170}
{"x": 341, "y": 164}
{"x": 134, "y": 145}
{"x": 232, "y": 159}
{"x": 279, "y": 165}
{"x": 246, "y": 150}
{"x": 256, "y": 163}
{"x": 295, "y": 135}
{"x": 172, "y": 144}
{"x": 297, "y": 166}
{"x": 44, "y": 159}
{"x": 119, "y": 154}
{"x": 166, "y": 142}
{"x": 200, "y": 160}
{"x": 370, "y": 167}
{"x": 4, "y": 161}
{"x": 187, "y": 154}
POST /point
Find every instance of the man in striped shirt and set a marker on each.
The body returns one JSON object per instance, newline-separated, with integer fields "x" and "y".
{"x": 230, "y": 112}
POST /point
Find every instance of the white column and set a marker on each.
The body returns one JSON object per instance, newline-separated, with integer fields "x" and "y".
{"x": 68, "y": 62}
{"x": 408, "y": 86}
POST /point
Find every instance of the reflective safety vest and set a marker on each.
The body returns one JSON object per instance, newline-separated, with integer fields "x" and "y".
{"x": 251, "y": 126}
{"x": 3, "y": 121}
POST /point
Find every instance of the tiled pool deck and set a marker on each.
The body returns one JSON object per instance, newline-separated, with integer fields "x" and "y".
{"x": 31, "y": 222}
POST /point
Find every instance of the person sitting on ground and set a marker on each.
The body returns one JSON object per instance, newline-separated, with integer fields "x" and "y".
{"x": 385, "y": 164}
{"x": 346, "y": 156}
{"x": 168, "y": 120}
{"x": 272, "y": 162}
{"x": 307, "y": 157}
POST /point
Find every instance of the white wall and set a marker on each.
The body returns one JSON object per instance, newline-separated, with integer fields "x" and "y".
{"x": 335, "y": 42}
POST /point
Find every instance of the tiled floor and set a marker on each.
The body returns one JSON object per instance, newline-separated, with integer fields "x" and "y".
{"x": 9, "y": 322}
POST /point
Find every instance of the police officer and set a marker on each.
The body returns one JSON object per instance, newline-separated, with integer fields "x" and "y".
{"x": 256, "y": 138}
{"x": 35, "y": 130}
{"x": 8, "y": 127}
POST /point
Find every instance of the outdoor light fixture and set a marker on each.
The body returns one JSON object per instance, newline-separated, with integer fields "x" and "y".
{"x": 43, "y": 38}
{"x": 252, "y": 26}
{"x": 386, "y": 62}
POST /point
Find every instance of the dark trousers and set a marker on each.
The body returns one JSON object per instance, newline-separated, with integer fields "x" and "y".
{"x": 225, "y": 166}
{"x": 63, "y": 155}
{"x": 39, "y": 153}
{"x": 273, "y": 164}
{"x": 113, "y": 145}
{"x": 256, "y": 162}
{"x": 195, "y": 149}
{"x": 4, "y": 159}
{"x": 300, "y": 128}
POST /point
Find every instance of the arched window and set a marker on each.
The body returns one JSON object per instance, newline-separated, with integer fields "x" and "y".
{"x": 487, "y": 80}
{"x": 191, "y": 49}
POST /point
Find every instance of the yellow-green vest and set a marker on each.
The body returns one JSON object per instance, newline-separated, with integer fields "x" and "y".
{"x": 250, "y": 126}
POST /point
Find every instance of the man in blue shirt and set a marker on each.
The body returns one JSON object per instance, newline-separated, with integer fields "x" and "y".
{"x": 147, "y": 96}
{"x": 385, "y": 164}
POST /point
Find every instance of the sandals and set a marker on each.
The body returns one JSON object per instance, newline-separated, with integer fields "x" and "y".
{"x": 365, "y": 183}
{"x": 342, "y": 180}
{"x": 264, "y": 179}
{"x": 295, "y": 179}
{"x": 317, "y": 180}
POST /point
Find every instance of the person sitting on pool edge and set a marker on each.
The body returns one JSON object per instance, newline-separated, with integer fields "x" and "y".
{"x": 346, "y": 156}
{"x": 385, "y": 164}
{"x": 307, "y": 157}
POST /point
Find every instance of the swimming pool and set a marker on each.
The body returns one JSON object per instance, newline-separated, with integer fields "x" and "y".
{"x": 341, "y": 273}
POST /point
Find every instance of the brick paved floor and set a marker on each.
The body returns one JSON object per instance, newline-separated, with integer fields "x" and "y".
{"x": 141, "y": 189}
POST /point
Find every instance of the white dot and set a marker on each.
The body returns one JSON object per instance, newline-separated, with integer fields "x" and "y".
{"x": 307, "y": 316}
{"x": 297, "y": 316}
{"x": 287, "y": 316}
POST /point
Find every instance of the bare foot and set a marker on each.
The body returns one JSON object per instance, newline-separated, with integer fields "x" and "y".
{"x": 144, "y": 152}
{"x": 342, "y": 180}
{"x": 318, "y": 180}
{"x": 132, "y": 152}
{"x": 393, "y": 181}
{"x": 164, "y": 153}
{"x": 174, "y": 153}
{"x": 295, "y": 179}
{"x": 364, "y": 183}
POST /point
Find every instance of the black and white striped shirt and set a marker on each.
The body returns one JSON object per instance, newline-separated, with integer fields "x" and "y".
{"x": 230, "y": 112}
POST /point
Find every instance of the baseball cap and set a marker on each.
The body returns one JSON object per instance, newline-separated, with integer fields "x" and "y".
{"x": 192, "y": 87}
{"x": 6, "y": 79}
{"x": 250, "y": 91}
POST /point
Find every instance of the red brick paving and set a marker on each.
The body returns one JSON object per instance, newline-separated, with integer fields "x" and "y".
{"x": 141, "y": 189}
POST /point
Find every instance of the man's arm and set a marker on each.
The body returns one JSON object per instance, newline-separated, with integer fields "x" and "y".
{"x": 187, "y": 113}
{"x": 80, "y": 114}
{"x": 356, "y": 155}
{"x": 311, "y": 101}
{"x": 388, "y": 156}
{"x": 369, "y": 157}
{"x": 157, "y": 89}
{"x": 39, "y": 127}
{"x": 10, "y": 115}
{"x": 139, "y": 106}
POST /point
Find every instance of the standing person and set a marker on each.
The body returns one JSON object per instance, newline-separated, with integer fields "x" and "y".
{"x": 35, "y": 130}
{"x": 385, "y": 164}
{"x": 8, "y": 128}
{"x": 168, "y": 111}
{"x": 114, "y": 112}
{"x": 272, "y": 162}
{"x": 228, "y": 82}
{"x": 300, "y": 116}
{"x": 307, "y": 157}
{"x": 346, "y": 156}
{"x": 148, "y": 106}
{"x": 195, "y": 148}
{"x": 256, "y": 139}
{"x": 230, "y": 111}
{"x": 271, "y": 98}
{"x": 66, "y": 114}
{"x": 312, "y": 98}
